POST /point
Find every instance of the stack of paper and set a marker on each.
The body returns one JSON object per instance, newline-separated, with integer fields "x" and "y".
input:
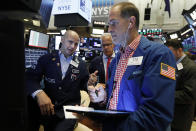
{"x": 69, "y": 115}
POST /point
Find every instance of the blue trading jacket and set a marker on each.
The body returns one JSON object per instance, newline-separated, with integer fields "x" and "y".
{"x": 144, "y": 92}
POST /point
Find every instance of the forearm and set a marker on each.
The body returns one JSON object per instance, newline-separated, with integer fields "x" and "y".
{"x": 95, "y": 126}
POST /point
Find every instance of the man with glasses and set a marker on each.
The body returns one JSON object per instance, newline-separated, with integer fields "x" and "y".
{"x": 141, "y": 77}
{"x": 64, "y": 76}
{"x": 101, "y": 63}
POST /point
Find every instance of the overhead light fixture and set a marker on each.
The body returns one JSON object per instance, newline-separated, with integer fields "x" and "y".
{"x": 36, "y": 22}
{"x": 95, "y": 35}
{"x": 98, "y": 31}
{"x": 53, "y": 33}
{"x": 63, "y": 31}
{"x": 173, "y": 36}
{"x": 186, "y": 32}
{"x": 25, "y": 19}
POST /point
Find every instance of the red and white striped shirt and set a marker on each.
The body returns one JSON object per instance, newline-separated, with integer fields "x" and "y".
{"x": 122, "y": 65}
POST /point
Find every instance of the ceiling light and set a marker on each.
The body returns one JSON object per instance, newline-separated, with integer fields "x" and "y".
{"x": 26, "y": 20}
{"x": 36, "y": 22}
{"x": 98, "y": 31}
{"x": 95, "y": 35}
{"x": 173, "y": 36}
{"x": 63, "y": 31}
{"x": 53, "y": 33}
{"x": 186, "y": 32}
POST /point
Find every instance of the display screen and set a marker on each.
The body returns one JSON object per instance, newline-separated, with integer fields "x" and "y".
{"x": 57, "y": 42}
{"x": 189, "y": 44}
{"x": 173, "y": 36}
{"x": 84, "y": 42}
{"x": 38, "y": 39}
{"x": 90, "y": 42}
{"x": 95, "y": 42}
{"x": 155, "y": 33}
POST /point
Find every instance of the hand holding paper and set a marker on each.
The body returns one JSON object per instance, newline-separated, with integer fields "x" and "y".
{"x": 97, "y": 94}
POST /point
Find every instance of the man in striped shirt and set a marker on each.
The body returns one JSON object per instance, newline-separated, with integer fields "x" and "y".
{"x": 141, "y": 78}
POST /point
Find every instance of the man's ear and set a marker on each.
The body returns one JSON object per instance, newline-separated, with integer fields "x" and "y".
{"x": 113, "y": 45}
{"x": 181, "y": 50}
{"x": 132, "y": 20}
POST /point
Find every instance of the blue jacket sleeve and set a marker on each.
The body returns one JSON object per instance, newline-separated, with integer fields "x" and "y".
{"x": 155, "y": 112}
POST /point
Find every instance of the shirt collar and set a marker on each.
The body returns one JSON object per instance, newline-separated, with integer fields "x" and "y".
{"x": 106, "y": 57}
{"x": 133, "y": 45}
{"x": 181, "y": 58}
{"x": 61, "y": 55}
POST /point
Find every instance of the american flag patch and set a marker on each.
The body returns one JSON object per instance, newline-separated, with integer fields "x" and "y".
{"x": 168, "y": 71}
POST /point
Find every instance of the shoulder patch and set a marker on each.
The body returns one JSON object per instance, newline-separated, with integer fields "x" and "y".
{"x": 168, "y": 71}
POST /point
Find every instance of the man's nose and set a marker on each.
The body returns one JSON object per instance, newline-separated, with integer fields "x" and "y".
{"x": 72, "y": 45}
{"x": 109, "y": 29}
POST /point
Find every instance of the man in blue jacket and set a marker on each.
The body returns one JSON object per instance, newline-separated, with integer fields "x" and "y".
{"x": 64, "y": 76}
{"x": 141, "y": 77}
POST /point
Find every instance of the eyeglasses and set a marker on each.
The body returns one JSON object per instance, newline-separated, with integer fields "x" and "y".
{"x": 107, "y": 45}
{"x": 113, "y": 23}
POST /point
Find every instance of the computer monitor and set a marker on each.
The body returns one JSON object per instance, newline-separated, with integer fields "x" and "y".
{"x": 84, "y": 42}
{"x": 96, "y": 43}
{"x": 38, "y": 39}
{"x": 57, "y": 42}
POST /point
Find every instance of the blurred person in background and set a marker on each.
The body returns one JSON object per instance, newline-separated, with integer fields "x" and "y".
{"x": 185, "y": 95}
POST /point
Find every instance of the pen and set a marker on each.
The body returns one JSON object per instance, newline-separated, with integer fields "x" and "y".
{"x": 82, "y": 102}
{"x": 96, "y": 92}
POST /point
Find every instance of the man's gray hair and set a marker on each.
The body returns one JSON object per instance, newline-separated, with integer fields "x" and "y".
{"x": 105, "y": 35}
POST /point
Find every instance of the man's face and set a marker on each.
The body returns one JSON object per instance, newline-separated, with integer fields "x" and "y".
{"x": 117, "y": 26}
{"x": 176, "y": 52}
{"x": 69, "y": 44}
{"x": 107, "y": 45}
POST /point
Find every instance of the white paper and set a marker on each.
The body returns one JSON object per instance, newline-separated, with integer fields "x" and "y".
{"x": 69, "y": 115}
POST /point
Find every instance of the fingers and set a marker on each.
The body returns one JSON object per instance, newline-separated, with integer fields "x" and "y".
{"x": 95, "y": 73}
{"x": 43, "y": 110}
{"x": 45, "y": 104}
{"x": 99, "y": 85}
{"x": 52, "y": 109}
{"x": 91, "y": 88}
{"x": 47, "y": 109}
{"x": 93, "y": 78}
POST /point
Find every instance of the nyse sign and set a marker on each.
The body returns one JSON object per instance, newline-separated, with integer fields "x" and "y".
{"x": 100, "y": 11}
{"x": 64, "y": 8}
{"x": 82, "y": 7}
